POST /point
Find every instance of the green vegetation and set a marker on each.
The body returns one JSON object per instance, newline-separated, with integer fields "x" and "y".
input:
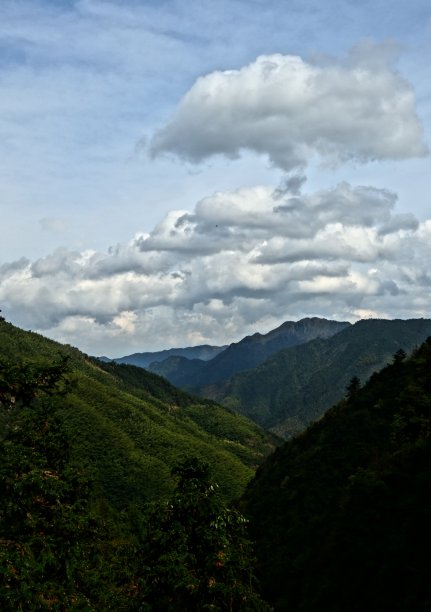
{"x": 341, "y": 514}
{"x": 109, "y": 501}
{"x": 47, "y": 534}
{"x": 195, "y": 374}
{"x": 298, "y": 384}
{"x": 65, "y": 545}
{"x": 195, "y": 550}
{"x": 130, "y": 427}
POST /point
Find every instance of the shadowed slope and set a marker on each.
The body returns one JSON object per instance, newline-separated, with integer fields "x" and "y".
{"x": 341, "y": 514}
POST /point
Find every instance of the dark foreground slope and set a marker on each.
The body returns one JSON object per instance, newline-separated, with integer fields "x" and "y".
{"x": 129, "y": 427}
{"x": 342, "y": 513}
{"x": 298, "y": 384}
{"x": 248, "y": 353}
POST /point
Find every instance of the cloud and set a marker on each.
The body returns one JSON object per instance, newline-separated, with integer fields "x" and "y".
{"x": 290, "y": 185}
{"x": 240, "y": 261}
{"x": 359, "y": 109}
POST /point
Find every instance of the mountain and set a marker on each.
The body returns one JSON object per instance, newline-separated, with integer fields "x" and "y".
{"x": 203, "y": 352}
{"x": 180, "y": 371}
{"x": 130, "y": 427}
{"x": 246, "y": 354}
{"x": 341, "y": 513}
{"x": 297, "y": 385}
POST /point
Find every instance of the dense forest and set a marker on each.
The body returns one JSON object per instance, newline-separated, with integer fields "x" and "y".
{"x": 98, "y": 526}
{"x": 298, "y": 384}
{"x": 132, "y": 427}
{"x": 341, "y": 514}
{"x": 120, "y": 492}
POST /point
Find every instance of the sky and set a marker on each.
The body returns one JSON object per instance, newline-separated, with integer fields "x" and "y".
{"x": 178, "y": 173}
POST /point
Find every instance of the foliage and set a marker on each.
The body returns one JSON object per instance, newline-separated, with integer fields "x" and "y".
{"x": 129, "y": 427}
{"x": 353, "y": 387}
{"x": 20, "y": 383}
{"x": 46, "y": 532}
{"x": 68, "y": 541}
{"x": 341, "y": 514}
{"x": 195, "y": 374}
{"x": 297, "y": 385}
{"x": 195, "y": 551}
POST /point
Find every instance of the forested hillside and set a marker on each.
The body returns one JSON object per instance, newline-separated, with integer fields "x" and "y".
{"x": 109, "y": 497}
{"x": 115, "y": 488}
{"x": 298, "y": 384}
{"x": 130, "y": 427}
{"x": 239, "y": 356}
{"x": 341, "y": 514}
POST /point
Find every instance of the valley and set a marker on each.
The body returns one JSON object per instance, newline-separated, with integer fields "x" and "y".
{"x": 135, "y": 466}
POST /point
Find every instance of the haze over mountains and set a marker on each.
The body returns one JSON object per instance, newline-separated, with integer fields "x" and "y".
{"x": 143, "y": 360}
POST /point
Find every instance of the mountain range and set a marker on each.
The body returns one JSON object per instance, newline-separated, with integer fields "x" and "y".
{"x": 298, "y": 384}
{"x": 248, "y": 353}
{"x": 339, "y": 514}
{"x": 203, "y": 352}
{"x": 289, "y": 377}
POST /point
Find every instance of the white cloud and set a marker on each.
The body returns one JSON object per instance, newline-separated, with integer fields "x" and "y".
{"x": 240, "y": 261}
{"x": 279, "y": 105}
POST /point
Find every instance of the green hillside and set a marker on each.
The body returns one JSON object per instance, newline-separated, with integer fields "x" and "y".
{"x": 195, "y": 374}
{"x": 341, "y": 514}
{"x": 181, "y": 371}
{"x": 89, "y": 518}
{"x": 298, "y": 384}
{"x": 130, "y": 427}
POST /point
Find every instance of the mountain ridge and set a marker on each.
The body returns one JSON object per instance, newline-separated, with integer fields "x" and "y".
{"x": 296, "y": 385}
{"x": 245, "y": 354}
{"x": 203, "y": 352}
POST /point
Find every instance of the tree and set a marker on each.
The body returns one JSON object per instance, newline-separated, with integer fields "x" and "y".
{"x": 195, "y": 554}
{"x": 46, "y": 533}
{"x": 353, "y": 387}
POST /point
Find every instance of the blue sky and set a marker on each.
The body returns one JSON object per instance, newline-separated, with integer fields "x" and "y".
{"x": 100, "y": 146}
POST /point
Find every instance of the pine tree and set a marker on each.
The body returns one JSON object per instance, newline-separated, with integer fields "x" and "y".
{"x": 353, "y": 387}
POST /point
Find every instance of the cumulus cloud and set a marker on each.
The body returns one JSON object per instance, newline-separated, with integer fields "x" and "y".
{"x": 291, "y": 110}
{"x": 238, "y": 262}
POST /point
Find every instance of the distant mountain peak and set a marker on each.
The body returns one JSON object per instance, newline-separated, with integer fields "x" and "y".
{"x": 203, "y": 352}
{"x": 297, "y": 384}
{"x": 247, "y": 353}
